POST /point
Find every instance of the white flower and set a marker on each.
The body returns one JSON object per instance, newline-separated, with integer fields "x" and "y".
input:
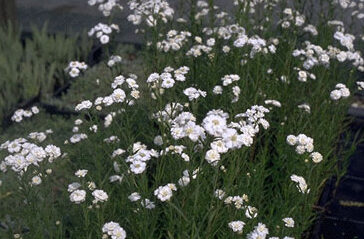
{"x": 184, "y": 181}
{"x": 219, "y": 146}
{"x": 158, "y": 140}
{"x": 302, "y": 76}
{"x": 214, "y": 124}
{"x": 74, "y": 72}
{"x": 81, "y": 173}
{"x": 35, "y": 110}
{"x": 220, "y": 194}
{"x": 213, "y": 157}
{"x": 73, "y": 186}
{"x": 100, "y": 195}
{"x": 163, "y": 193}
{"x": 217, "y": 90}
{"x": 289, "y": 222}
{"x": 237, "y": 226}
{"x": 167, "y": 82}
{"x": 335, "y": 94}
{"x": 114, "y": 230}
{"x": 138, "y": 167}
{"x": 316, "y": 157}
{"x": 147, "y": 204}
{"x": 291, "y": 140}
{"x": 302, "y": 186}
{"x": 134, "y": 197}
{"x": 118, "y": 95}
{"x": 83, "y": 105}
{"x": 78, "y": 196}
{"x": 104, "y": 39}
{"x": 251, "y": 212}
{"x": 36, "y": 180}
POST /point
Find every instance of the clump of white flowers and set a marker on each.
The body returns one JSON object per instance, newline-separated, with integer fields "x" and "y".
{"x": 193, "y": 93}
{"x": 114, "y": 230}
{"x": 23, "y": 154}
{"x": 74, "y": 68}
{"x": 167, "y": 79}
{"x": 150, "y": 12}
{"x": 20, "y": 114}
{"x": 106, "y": 6}
{"x": 175, "y": 41}
{"x": 302, "y": 142}
{"x": 139, "y": 158}
{"x": 114, "y": 60}
{"x": 301, "y": 183}
{"x": 260, "y": 231}
{"x": 103, "y": 32}
{"x": 341, "y": 91}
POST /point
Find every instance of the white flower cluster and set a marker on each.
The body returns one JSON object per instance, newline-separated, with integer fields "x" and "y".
{"x": 141, "y": 155}
{"x": 229, "y": 79}
{"x": 166, "y": 80}
{"x": 346, "y": 40}
{"x": 40, "y": 136}
{"x": 86, "y": 104}
{"x": 292, "y": 16}
{"x": 134, "y": 197}
{"x": 184, "y": 125}
{"x": 258, "y": 44}
{"x": 314, "y": 55}
{"x": 193, "y": 93}
{"x": 114, "y": 60}
{"x": 225, "y": 32}
{"x": 102, "y": 32}
{"x": 78, "y": 195}
{"x": 301, "y": 183}
{"x": 260, "y": 231}
{"x": 20, "y": 113}
{"x": 302, "y": 142}
{"x": 197, "y": 50}
{"x": 150, "y": 11}
{"x": 226, "y": 81}
{"x": 171, "y": 110}
{"x": 234, "y": 135}
{"x": 76, "y": 138}
{"x": 175, "y": 41}
{"x": 341, "y": 91}
{"x": 303, "y": 75}
{"x": 114, "y": 230}
{"x": 23, "y": 154}
{"x": 74, "y": 68}
{"x": 238, "y": 202}
{"x": 164, "y": 193}
{"x": 117, "y": 96}
{"x": 106, "y": 6}
{"x": 176, "y": 149}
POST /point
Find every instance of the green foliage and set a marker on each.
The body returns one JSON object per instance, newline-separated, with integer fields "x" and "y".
{"x": 35, "y": 67}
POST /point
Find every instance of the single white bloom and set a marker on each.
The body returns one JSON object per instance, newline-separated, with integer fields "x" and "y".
{"x": 289, "y": 222}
